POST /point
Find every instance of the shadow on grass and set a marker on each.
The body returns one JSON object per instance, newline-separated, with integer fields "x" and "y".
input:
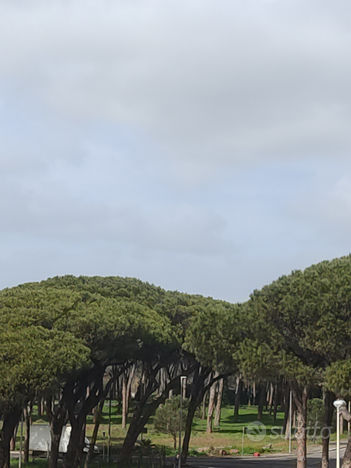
{"x": 229, "y": 426}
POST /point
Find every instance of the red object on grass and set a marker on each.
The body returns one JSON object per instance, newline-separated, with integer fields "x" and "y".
{"x": 257, "y": 454}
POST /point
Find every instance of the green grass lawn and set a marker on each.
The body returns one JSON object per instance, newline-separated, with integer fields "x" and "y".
{"x": 228, "y": 436}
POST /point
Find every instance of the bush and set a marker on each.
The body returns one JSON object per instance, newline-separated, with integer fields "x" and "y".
{"x": 167, "y": 417}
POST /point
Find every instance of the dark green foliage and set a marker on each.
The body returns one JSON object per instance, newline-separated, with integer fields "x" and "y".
{"x": 64, "y": 324}
{"x": 338, "y": 377}
{"x": 34, "y": 358}
{"x": 305, "y": 318}
{"x": 213, "y": 335}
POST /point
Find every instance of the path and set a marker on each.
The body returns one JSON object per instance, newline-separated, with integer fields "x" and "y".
{"x": 265, "y": 461}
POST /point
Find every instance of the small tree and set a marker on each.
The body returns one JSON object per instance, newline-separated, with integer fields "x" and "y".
{"x": 315, "y": 415}
{"x": 167, "y": 417}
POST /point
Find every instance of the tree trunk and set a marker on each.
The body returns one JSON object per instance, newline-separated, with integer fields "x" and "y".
{"x": 346, "y": 462}
{"x": 197, "y": 393}
{"x": 254, "y": 394}
{"x": 97, "y": 418}
{"x": 286, "y": 407}
{"x": 271, "y": 398}
{"x": 300, "y": 399}
{"x": 189, "y": 420}
{"x": 217, "y": 418}
{"x": 287, "y": 430}
{"x": 328, "y": 415}
{"x": 127, "y": 379}
{"x": 54, "y": 451}
{"x": 124, "y": 401}
{"x": 237, "y": 399}
{"x": 275, "y": 403}
{"x": 203, "y": 414}
{"x": 28, "y": 422}
{"x": 137, "y": 424}
{"x": 10, "y": 421}
{"x": 198, "y": 390}
{"x": 13, "y": 438}
{"x": 211, "y": 405}
{"x": 55, "y": 432}
{"x": 140, "y": 417}
{"x": 261, "y": 401}
{"x": 57, "y": 419}
{"x": 76, "y": 444}
{"x": 88, "y": 401}
{"x": 39, "y": 407}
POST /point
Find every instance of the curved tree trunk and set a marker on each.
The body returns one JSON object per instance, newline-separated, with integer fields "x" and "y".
{"x": 138, "y": 422}
{"x": 97, "y": 418}
{"x": 140, "y": 417}
{"x": 198, "y": 390}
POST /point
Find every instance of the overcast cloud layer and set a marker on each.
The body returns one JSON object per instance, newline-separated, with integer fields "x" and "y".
{"x": 203, "y": 146}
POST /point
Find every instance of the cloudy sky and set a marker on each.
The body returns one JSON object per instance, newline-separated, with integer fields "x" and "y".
{"x": 200, "y": 145}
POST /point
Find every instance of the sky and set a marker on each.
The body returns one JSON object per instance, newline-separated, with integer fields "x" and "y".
{"x": 199, "y": 145}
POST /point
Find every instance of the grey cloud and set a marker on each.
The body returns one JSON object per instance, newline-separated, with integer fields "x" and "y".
{"x": 52, "y": 214}
{"x": 217, "y": 84}
{"x": 202, "y": 100}
{"x": 324, "y": 210}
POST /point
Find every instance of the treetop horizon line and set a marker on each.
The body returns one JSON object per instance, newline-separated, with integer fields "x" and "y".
{"x": 87, "y": 278}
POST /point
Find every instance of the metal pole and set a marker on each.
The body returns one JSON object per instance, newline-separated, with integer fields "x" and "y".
{"x": 338, "y": 437}
{"x": 20, "y": 453}
{"x": 242, "y": 442}
{"x": 180, "y": 430}
{"x": 290, "y": 419}
{"x": 182, "y": 380}
{"x": 348, "y": 422}
{"x": 109, "y": 433}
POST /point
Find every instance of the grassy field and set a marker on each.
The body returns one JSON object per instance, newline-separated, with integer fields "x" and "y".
{"x": 228, "y": 436}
